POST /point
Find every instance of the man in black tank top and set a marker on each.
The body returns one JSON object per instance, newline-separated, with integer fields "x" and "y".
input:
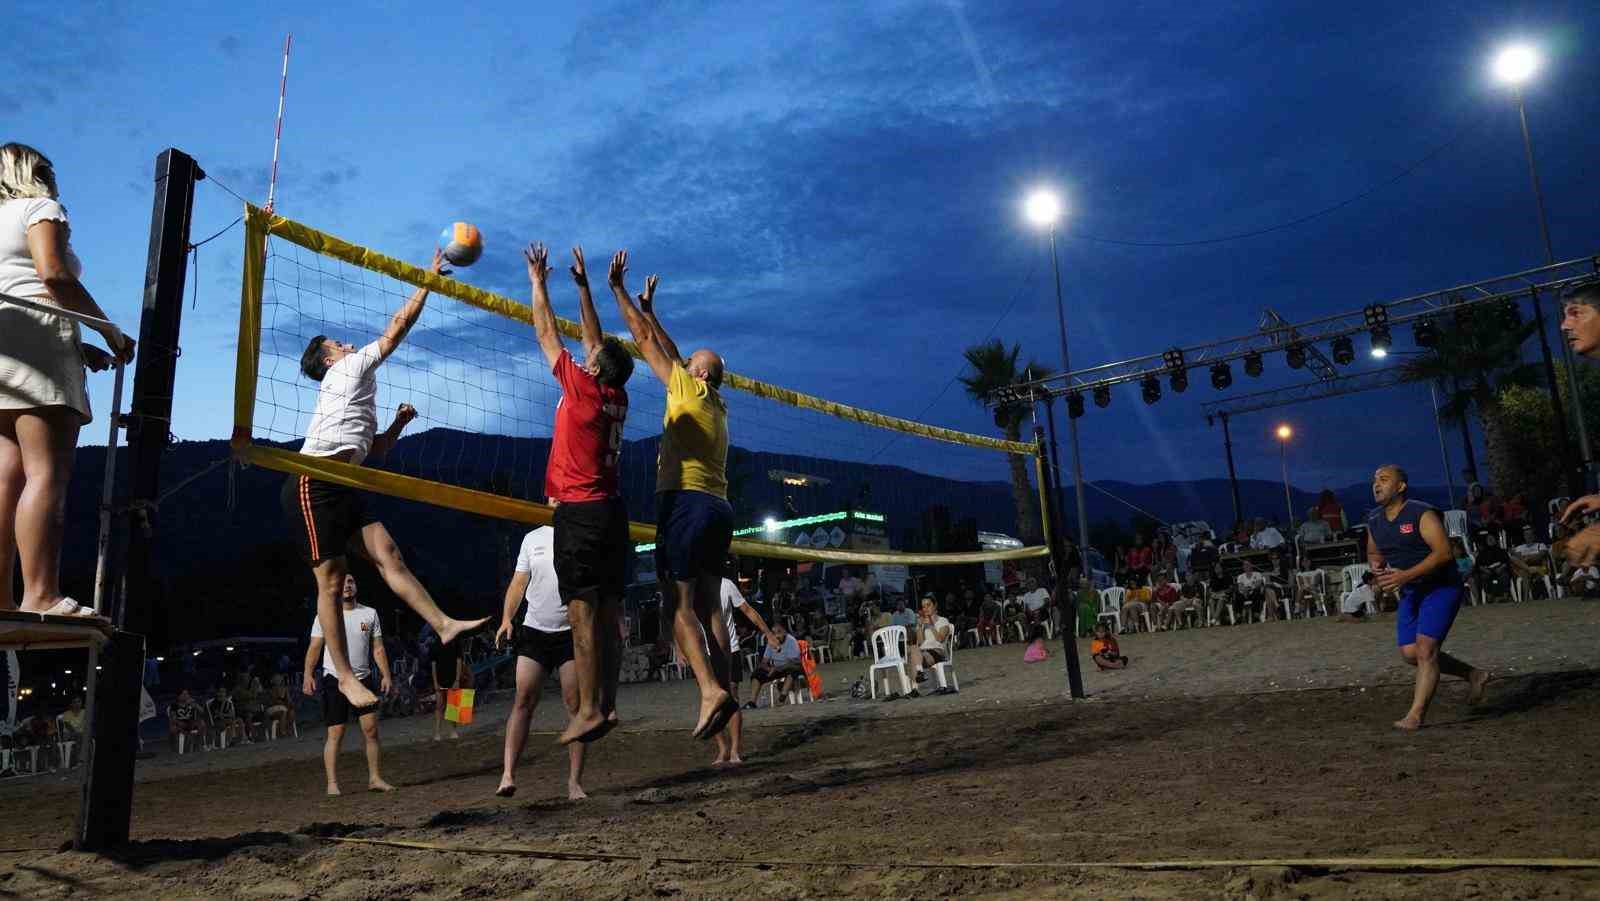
{"x": 1580, "y": 327}
{"x": 1409, "y": 552}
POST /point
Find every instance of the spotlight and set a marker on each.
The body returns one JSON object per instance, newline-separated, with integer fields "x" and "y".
{"x": 1295, "y": 356}
{"x": 1380, "y": 341}
{"x": 1075, "y": 404}
{"x": 1222, "y": 375}
{"x": 1252, "y": 364}
{"x": 1150, "y": 387}
{"x": 1376, "y": 314}
{"x": 1179, "y": 380}
{"x": 1510, "y": 314}
{"x": 1173, "y": 358}
{"x": 1425, "y": 333}
{"x": 1344, "y": 352}
{"x": 1102, "y": 396}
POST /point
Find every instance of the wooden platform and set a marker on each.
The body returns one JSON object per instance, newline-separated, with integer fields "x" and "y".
{"x": 32, "y": 632}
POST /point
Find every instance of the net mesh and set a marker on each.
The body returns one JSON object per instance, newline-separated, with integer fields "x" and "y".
{"x": 486, "y": 402}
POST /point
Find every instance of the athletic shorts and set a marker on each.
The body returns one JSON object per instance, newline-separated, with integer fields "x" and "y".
{"x": 693, "y": 530}
{"x": 548, "y": 649}
{"x": 735, "y": 666}
{"x": 762, "y": 678}
{"x": 336, "y": 708}
{"x": 322, "y": 516}
{"x": 445, "y": 660}
{"x": 1426, "y": 610}
{"x": 591, "y": 549}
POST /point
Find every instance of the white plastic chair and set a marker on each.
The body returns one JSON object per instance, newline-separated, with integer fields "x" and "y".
{"x": 1351, "y": 575}
{"x": 886, "y": 644}
{"x": 675, "y": 665}
{"x": 1111, "y": 606}
{"x": 1313, "y": 585}
{"x": 64, "y": 746}
{"x": 1455, "y": 526}
{"x": 944, "y": 670}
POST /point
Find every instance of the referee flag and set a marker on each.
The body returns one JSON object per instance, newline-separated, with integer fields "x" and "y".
{"x": 458, "y": 706}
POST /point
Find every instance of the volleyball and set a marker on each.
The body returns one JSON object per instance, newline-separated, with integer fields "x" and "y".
{"x": 462, "y": 243}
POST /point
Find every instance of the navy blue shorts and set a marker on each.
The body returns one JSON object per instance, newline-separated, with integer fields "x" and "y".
{"x": 693, "y": 530}
{"x": 1426, "y": 610}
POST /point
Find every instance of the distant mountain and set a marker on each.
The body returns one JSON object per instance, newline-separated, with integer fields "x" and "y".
{"x": 228, "y": 567}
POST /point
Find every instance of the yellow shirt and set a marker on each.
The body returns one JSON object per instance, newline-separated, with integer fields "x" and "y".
{"x": 694, "y": 438}
{"x": 1141, "y": 594}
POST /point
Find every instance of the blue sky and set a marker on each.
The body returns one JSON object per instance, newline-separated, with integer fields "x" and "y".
{"x": 831, "y": 191}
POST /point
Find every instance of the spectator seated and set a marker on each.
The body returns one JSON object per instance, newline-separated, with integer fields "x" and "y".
{"x": 779, "y": 663}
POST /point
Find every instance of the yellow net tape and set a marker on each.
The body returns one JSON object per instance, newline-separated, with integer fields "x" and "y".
{"x": 259, "y": 224}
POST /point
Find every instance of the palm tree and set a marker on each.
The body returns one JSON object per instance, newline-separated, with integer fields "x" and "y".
{"x": 1473, "y": 359}
{"x": 993, "y": 367}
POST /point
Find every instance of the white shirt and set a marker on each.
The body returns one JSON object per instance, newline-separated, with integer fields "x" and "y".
{"x": 1266, "y": 539}
{"x": 1355, "y": 600}
{"x": 1254, "y": 581}
{"x": 538, "y": 559}
{"x": 731, "y": 598}
{"x": 346, "y": 417}
{"x": 930, "y": 634}
{"x": 18, "y": 277}
{"x": 1036, "y": 599}
{"x": 361, "y": 629}
{"x": 849, "y": 586}
{"x": 1315, "y": 531}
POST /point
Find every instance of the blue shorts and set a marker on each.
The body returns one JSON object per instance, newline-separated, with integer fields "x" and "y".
{"x": 1426, "y": 610}
{"x": 693, "y": 530}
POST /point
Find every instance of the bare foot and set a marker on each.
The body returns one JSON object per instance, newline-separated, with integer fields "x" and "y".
{"x": 575, "y": 792}
{"x": 455, "y": 628}
{"x": 715, "y": 711}
{"x": 357, "y": 694}
{"x": 1479, "y": 680}
{"x": 438, "y": 737}
{"x": 454, "y": 735}
{"x": 507, "y": 789}
{"x": 333, "y": 790}
{"x": 735, "y": 760}
{"x": 378, "y": 785}
{"x": 582, "y": 728}
{"x": 1409, "y": 724}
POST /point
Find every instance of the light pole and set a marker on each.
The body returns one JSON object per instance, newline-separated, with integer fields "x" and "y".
{"x": 1043, "y": 209}
{"x": 1380, "y": 353}
{"x": 1284, "y": 434}
{"x": 1514, "y": 66}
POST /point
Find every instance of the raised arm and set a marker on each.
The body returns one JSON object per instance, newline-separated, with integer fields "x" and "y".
{"x": 587, "y": 317}
{"x": 647, "y": 306}
{"x": 385, "y": 440}
{"x": 514, "y": 594}
{"x": 544, "y": 318}
{"x": 639, "y": 327}
{"x": 404, "y": 318}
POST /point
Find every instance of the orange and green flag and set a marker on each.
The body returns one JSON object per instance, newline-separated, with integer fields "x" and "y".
{"x": 458, "y": 706}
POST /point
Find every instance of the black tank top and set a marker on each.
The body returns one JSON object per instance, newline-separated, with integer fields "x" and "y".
{"x": 1401, "y": 544}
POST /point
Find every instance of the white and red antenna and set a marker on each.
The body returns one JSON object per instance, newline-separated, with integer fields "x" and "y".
{"x": 277, "y": 138}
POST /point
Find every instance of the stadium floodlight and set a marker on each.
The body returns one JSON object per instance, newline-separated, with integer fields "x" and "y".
{"x": 770, "y": 524}
{"x": 1221, "y": 376}
{"x": 1252, "y": 364}
{"x": 1075, "y": 404}
{"x": 1150, "y": 387}
{"x": 1515, "y": 64}
{"x": 1284, "y": 432}
{"x": 1102, "y": 396}
{"x": 1344, "y": 350}
{"x": 1043, "y": 208}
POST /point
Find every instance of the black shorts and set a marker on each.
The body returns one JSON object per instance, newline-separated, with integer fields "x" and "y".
{"x": 591, "y": 549}
{"x": 548, "y": 649}
{"x": 735, "y": 667}
{"x": 762, "y": 678}
{"x": 446, "y": 661}
{"x": 322, "y": 516}
{"x": 693, "y": 530}
{"x": 336, "y": 708}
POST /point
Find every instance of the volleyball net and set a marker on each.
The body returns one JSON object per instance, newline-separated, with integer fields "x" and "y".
{"x": 809, "y": 479}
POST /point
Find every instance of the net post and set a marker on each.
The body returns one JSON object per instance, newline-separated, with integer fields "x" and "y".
{"x": 1066, "y": 601}
{"x": 106, "y": 813}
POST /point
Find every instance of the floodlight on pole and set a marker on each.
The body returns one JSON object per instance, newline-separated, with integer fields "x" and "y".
{"x": 1043, "y": 208}
{"x": 1515, "y": 64}
{"x": 1284, "y": 434}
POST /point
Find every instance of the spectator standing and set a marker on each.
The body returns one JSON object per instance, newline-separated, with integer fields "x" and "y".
{"x": 1331, "y": 513}
{"x": 447, "y": 668}
{"x": 72, "y": 720}
{"x": 363, "y": 634}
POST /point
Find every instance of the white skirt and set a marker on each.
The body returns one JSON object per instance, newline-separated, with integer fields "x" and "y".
{"x": 41, "y": 361}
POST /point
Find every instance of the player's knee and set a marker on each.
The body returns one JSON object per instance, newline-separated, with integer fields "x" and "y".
{"x": 1427, "y": 651}
{"x": 370, "y": 730}
{"x": 1409, "y": 654}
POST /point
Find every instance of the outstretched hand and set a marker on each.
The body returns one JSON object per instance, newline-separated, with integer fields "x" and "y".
{"x": 538, "y": 257}
{"x": 579, "y": 273}
{"x": 404, "y": 415}
{"x": 619, "y": 268}
{"x": 437, "y": 266}
{"x": 647, "y": 300}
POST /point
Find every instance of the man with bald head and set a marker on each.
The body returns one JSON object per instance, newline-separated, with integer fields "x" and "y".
{"x": 694, "y": 523}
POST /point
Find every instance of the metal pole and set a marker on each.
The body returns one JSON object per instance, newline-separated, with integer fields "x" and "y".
{"x": 1072, "y": 424}
{"x": 1055, "y": 460}
{"x": 1283, "y": 456}
{"x": 1577, "y": 482}
{"x": 1444, "y": 453}
{"x": 1067, "y": 605}
{"x": 1233, "y": 477}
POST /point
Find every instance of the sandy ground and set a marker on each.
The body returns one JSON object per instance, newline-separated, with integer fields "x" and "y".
{"x": 1249, "y": 742}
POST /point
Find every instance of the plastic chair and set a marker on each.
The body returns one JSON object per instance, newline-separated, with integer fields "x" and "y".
{"x": 64, "y": 746}
{"x": 944, "y": 670}
{"x": 675, "y": 665}
{"x": 1351, "y": 575}
{"x": 1111, "y": 606}
{"x": 1313, "y": 584}
{"x": 886, "y": 645}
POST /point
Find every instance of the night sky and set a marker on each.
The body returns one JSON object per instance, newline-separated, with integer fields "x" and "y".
{"x": 832, "y": 192}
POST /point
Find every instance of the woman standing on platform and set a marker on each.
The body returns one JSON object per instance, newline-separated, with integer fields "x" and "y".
{"x": 43, "y": 402}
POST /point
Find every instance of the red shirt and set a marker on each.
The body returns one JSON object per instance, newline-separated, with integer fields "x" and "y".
{"x": 587, "y": 447}
{"x": 1140, "y": 557}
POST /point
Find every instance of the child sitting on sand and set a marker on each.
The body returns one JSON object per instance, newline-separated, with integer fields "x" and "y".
{"x": 1104, "y": 649}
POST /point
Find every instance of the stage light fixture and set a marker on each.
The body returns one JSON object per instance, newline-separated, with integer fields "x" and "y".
{"x": 1381, "y": 341}
{"x": 1375, "y": 314}
{"x": 1295, "y": 356}
{"x": 1179, "y": 380}
{"x": 1344, "y": 350}
{"x": 1075, "y": 405}
{"x": 1173, "y": 358}
{"x": 1150, "y": 387}
{"x": 1425, "y": 333}
{"x": 1221, "y": 376}
{"x": 1252, "y": 364}
{"x": 1102, "y": 396}
{"x": 1510, "y": 314}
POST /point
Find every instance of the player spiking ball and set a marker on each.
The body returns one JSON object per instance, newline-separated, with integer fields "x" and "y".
{"x": 329, "y": 520}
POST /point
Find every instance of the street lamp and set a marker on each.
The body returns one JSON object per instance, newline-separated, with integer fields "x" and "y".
{"x": 1043, "y": 209}
{"x": 1284, "y": 434}
{"x": 1514, "y": 66}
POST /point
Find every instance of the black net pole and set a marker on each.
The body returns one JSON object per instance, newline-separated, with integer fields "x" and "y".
{"x": 1233, "y": 477}
{"x": 106, "y": 813}
{"x": 1066, "y": 598}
